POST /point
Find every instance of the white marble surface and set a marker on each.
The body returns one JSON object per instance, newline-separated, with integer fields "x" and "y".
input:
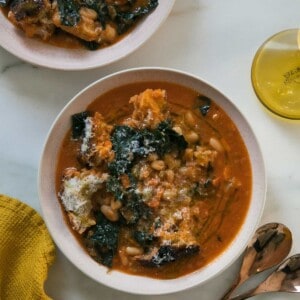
{"x": 213, "y": 39}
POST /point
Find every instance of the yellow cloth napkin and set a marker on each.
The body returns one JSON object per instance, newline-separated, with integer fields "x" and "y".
{"x": 26, "y": 252}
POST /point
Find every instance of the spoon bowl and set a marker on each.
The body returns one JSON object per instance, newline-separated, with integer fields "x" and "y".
{"x": 286, "y": 278}
{"x": 270, "y": 244}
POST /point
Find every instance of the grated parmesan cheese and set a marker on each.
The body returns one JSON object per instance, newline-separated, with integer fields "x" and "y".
{"x": 88, "y": 134}
{"x": 76, "y": 194}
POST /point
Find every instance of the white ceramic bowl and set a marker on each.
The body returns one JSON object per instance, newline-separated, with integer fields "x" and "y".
{"x": 45, "y": 55}
{"x": 53, "y": 214}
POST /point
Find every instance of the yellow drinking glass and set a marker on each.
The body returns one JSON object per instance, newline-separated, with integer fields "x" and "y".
{"x": 275, "y": 74}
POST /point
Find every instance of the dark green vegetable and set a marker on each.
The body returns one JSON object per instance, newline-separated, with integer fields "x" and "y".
{"x": 104, "y": 237}
{"x": 90, "y": 45}
{"x": 114, "y": 186}
{"x": 78, "y": 124}
{"x": 204, "y": 104}
{"x": 4, "y": 3}
{"x": 100, "y": 7}
{"x": 69, "y": 12}
{"x": 174, "y": 139}
{"x": 129, "y": 144}
{"x": 167, "y": 254}
{"x": 124, "y": 140}
{"x": 124, "y": 16}
{"x": 133, "y": 208}
{"x": 144, "y": 238}
{"x": 126, "y": 19}
{"x": 26, "y": 8}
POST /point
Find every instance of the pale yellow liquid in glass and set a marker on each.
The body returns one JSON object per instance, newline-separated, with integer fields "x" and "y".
{"x": 276, "y": 74}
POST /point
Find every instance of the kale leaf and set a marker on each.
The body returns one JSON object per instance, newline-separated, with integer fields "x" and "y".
{"x": 69, "y": 12}
{"x": 129, "y": 144}
{"x": 101, "y": 8}
{"x": 26, "y": 8}
{"x": 133, "y": 208}
{"x": 144, "y": 238}
{"x": 78, "y": 124}
{"x": 92, "y": 45}
{"x": 114, "y": 186}
{"x": 4, "y": 3}
{"x": 123, "y": 15}
{"x": 104, "y": 237}
{"x": 126, "y": 19}
{"x": 168, "y": 253}
{"x": 173, "y": 138}
{"x": 204, "y": 104}
{"x": 124, "y": 142}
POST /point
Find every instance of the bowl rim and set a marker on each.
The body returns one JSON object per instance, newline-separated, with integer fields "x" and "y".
{"x": 43, "y": 54}
{"x": 144, "y": 285}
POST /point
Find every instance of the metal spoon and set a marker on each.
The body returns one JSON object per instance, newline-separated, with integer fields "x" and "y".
{"x": 285, "y": 279}
{"x": 270, "y": 244}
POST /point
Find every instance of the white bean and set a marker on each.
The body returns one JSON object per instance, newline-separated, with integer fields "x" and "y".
{"x": 123, "y": 257}
{"x": 177, "y": 129}
{"x": 115, "y": 204}
{"x": 189, "y": 119}
{"x": 172, "y": 162}
{"x": 188, "y": 154}
{"x": 216, "y": 144}
{"x": 192, "y": 137}
{"x": 152, "y": 157}
{"x": 109, "y": 213}
{"x": 170, "y": 175}
{"x": 158, "y": 165}
{"x": 133, "y": 251}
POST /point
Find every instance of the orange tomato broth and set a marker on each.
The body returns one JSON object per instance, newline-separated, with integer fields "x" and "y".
{"x": 228, "y": 216}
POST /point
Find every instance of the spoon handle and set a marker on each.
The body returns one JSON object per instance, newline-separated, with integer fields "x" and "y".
{"x": 231, "y": 289}
{"x": 243, "y": 296}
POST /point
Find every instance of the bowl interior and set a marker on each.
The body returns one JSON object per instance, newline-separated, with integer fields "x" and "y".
{"x": 55, "y": 220}
{"x": 46, "y": 55}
